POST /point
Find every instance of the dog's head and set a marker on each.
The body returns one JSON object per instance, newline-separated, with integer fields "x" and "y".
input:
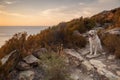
{"x": 92, "y": 33}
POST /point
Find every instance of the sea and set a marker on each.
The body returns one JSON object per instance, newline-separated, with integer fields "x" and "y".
{"x": 6, "y": 32}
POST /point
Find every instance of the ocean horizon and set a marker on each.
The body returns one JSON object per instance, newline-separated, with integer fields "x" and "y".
{"x": 6, "y": 32}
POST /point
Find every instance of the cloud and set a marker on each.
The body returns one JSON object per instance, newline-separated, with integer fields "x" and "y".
{"x": 74, "y": 11}
{"x": 12, "y": 14}
{"x": 107, "y": 1}
{"x": 8, "y": 2}
{"x": 81, "y": 3}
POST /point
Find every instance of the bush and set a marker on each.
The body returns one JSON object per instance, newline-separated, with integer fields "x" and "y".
{"x": 54, "y": 67}
{"x": 112, "y": 44}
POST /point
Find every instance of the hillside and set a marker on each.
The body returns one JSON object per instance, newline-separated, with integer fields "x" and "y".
{"x": 56, "y": 38}
{"x": 66, "y": 33}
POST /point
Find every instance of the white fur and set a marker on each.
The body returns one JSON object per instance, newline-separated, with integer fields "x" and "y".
{"x": 95, "y": 43}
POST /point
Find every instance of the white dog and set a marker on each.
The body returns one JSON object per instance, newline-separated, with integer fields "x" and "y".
{"x": 95, "y": 43}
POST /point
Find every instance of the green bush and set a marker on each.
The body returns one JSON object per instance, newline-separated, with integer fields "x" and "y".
{"x": 54, "y": 67}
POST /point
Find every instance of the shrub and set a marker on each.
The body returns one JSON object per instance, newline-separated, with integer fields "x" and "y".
{"x": 112, "y": 44}
{"x": 54, "y": 67}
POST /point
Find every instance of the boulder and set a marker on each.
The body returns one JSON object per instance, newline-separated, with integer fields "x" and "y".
{"x": 97, "y": 63}
{"x": 39, "y": 52}
{"x": 30, "y": 59}
{"x": 9, "y": 65}
{"x": 118, "y": 73}
{"x": 76, "y": 33}
{"x": 87, "y": 65}
{"x": 115, "y": 31}
{"x": 111, "y": 57}
{"x": 4, "y": 59}
{"x": 23, "y": 66}
{"x": 73, "y": 53}
{"x": 26, "y": 75}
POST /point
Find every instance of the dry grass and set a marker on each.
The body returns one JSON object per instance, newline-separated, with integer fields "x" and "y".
{"x": 112, "y": 44}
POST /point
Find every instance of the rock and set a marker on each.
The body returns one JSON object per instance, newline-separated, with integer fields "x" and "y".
{"x": 97, "y": 63}
{"x": 110, "y": 75}
{"x": 4, "y": 59}
{"x": 118, "y": 73}
{"x": 39, "y": 52}
{"x": 87, "y": 65}
{"x": 9, "y": 65}
{"x": 115, "y": 31}
{"x": 111, "y": 57}
{"x": 92, "y": 56}
{"x": 23, "y": 66}
{"x": 26, "y": 75}
{"x": 77, "y": 75}
{"x": 73, "y": 53}
{"x": 113, "y": 67}
{"x": 76, "y": 33}
{"x": 101, "y": 69}
{"x": 83, "y": 51}
{"x": 30, "y": 59}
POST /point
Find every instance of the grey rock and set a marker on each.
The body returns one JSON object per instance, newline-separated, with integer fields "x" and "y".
{"x": 26, "y": 75}
{"x": 92, "y": 56}
{"x": 77, "y": 75}
{"x": 87, "y": 65}
{"x": 30, "y": 59}
{"x": 101, "y": 69}
{"x": 111, "y": 57}
{"x": 97, "y": 63}
{"x": 76, "y": 33}
{"x": 39, "y": 52}
{"x": 73, "y": 53}
{"x": 118, "y": 73}
{"x": 23, "y": 66}
{"x": 115, "y": 31}
{"x": 84, "y": 51}
{"x": 9, "y": 65}
{"x": 4, "y": 59}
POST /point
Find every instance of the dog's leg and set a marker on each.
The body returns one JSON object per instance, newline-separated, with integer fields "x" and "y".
{"x": 91, "y": 48}
{"x": 95, "y": 50}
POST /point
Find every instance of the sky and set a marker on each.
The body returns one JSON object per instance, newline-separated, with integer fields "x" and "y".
{"x": 49, "y": 12}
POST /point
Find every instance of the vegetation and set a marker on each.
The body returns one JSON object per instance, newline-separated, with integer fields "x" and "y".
{"x": 50, "y": 38}
{"x": 54, "y": 67}
{"x": 63, "y": 33}
{"x": 111, "y": 17}
{"x": 112, "y": 44}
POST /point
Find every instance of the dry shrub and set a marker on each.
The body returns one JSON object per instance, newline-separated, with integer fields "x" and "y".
{"x": 112, "y": 44}
{"x": 54, "y": 67}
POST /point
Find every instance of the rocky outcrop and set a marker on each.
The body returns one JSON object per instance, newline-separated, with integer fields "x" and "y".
{"x": 95, "y": 68}
{"x": 15, "y": 68}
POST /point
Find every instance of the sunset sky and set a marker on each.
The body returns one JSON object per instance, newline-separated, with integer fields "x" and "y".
{"x": 49, "y": 12}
